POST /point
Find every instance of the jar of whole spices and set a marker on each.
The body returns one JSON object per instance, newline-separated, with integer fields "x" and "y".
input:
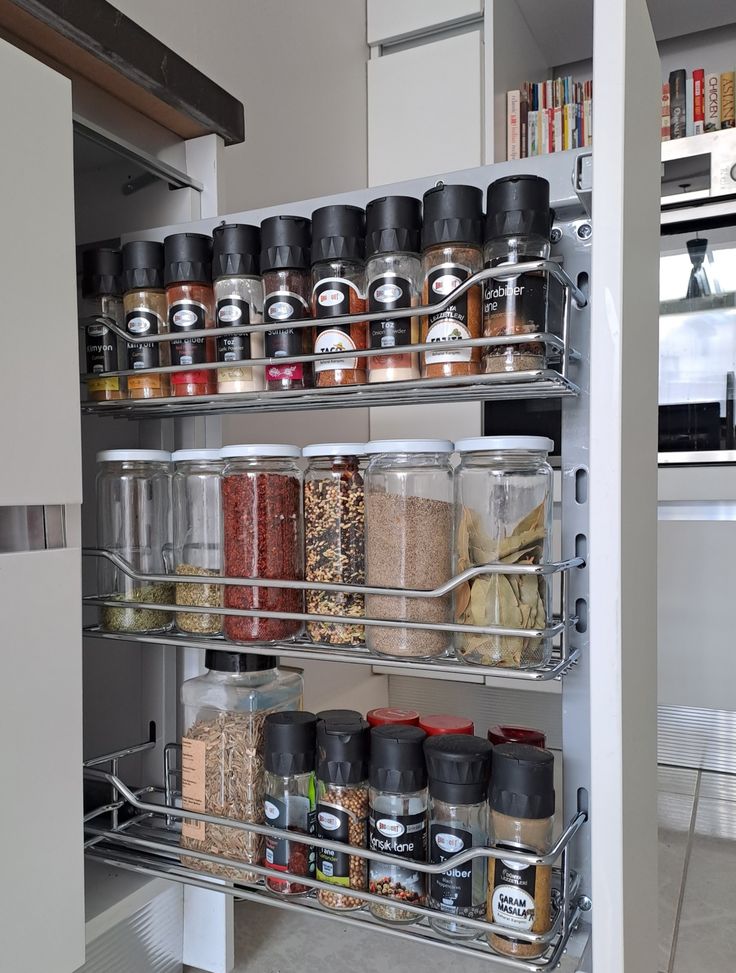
{"x": 393, "y": 280}
{"x": 144, "y": 303}
{"x": 342, "y": 809}
{"x": 222, "y": 753}
{"x": 190, "y": 307}
{"x": 238, "y": 303}
{"x": 522, "y": 801}
{"x": 104, "y": 350}
{"x": 134, "y": 521}
{"x": 451, "y": 252}
{"x": 518, "y": 225}
{"x": 262, "y": 520}
{"x": 287, "y": 287}
{"x": 397, "y": 822}
{"x": 338, "y": 281}
{"x": 198, "y": 536}
{"x": 290, "y": 796}
{"x": 334, "y": 527}
{"x": 408, "y": 540}
{"x": 458, "y": 769}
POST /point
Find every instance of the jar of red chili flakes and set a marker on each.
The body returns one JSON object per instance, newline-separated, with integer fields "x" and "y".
{"x": 263, "y": 538}
{"x": 190, "y": 307}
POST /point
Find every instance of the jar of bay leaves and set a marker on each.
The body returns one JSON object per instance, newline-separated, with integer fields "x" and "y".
{"x": 503, "y": 514}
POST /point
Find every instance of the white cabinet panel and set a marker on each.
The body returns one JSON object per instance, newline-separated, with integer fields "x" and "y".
{"x": 391, "y": 20}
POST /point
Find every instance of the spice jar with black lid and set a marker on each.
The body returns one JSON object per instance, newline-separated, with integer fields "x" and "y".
{"x": 522, "y": 802}
{"x": 518, "y": 224}
{"x": 144, "y": 304}
{"x": 238, "y": 303}
{"x": 393, "y": 280}
{"x": 458, "y": 768}
{"x": 451, "y": 252}
{"x": 338, "y": 283}
{"x": 190, "y": 307}
{"x": 339, "y": 716}
{"x": 290, "y": 797}
{"x": 104, "y": 350}
{"x": 287, "y": 287}
{"x": 397, "y": 823}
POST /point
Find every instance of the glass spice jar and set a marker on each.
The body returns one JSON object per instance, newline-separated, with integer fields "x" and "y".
{"x": 393, "y": 280}
{"x": 263, "y": 538}
{"x": 338, "y": 282}
{"x": 334, "y": 528}
{"x": 104, "y": 350}
{"x": 190, "y": 307}
{"x": 238, "y": 302}
{"x": 287, "y": 287}
{"x": 144, "y": 303}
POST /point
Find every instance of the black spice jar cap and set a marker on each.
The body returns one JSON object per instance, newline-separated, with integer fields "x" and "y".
{"x": 458, "y": 767}
{"x": 522, "y": 781}
{"x": 285, "y": 242}
{"x": 393, "y": 225}
{"x": 101, "y": 271}
{"x": 397, "y": 758}
{"x": 338, "y": 233}
{"x": 236, "y": 249}
{"x": 288, "y": 742}
{"x": 452, "y": 214}
{"x": 518, "y": 206}
{"x": 187, "y": 259}
{"x": 342, "y": 752}
{"x": 143, "y": 266}
{"x": 222, "y": 661}
{"x": 339, "y": 716}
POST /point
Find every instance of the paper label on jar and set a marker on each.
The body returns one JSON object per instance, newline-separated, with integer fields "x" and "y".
{"x": 232, "y": 312}
{"x": 332, "y": 299}
{"x": 102, "y": 356}
{"x": 514, "y": 888}
{"x": 187, "y": 316}
{"x": 329, "y": 341}
{"x": 284, "y": 306}
{"x": 334, "y": 823}
{"x": 451, "y": 324}
{"x": 141, "y": 321}
{"x": 445, "y": 332}
{"x": 193, "y": 754}
{"x": 516, "y": 303}
{"x": 293, "y": 814}
{"x": 403, "y": 835}
{"x": 452, "y": 889}
{"x": 385, "y": 293}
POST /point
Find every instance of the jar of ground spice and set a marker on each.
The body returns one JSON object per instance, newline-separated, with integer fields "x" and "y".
{"x": 262, "y": 529}
{"x": 338, "y": 288}
{"x": 104, "y": 350}
{"x": 190, "y": 307}
{"x": 451, "y": 252}
{"x": 144, "y": 304}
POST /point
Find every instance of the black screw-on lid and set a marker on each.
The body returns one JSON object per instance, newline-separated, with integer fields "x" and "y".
{"x": 452, "y": 214}
{"x": 223, "y": 661}
{"x": 397, "y": 758}
{"x": 393, "y": 225}
{"x": 285, "y": 242}
{"x": 338, "y": 233}
{"x": 288, "y": 743}
{"x": 236, "y": 250}
{"x": 459, "y": 767}
{"x": 339, "y": 716}
{"x": 522, "y": 781}
{"x": 518, "y": 206}
{"x": 187, "y": 259}
{"x": 101, "y": 272}
{"x": 342, "y": 752}
{"x": 143, "y": 266}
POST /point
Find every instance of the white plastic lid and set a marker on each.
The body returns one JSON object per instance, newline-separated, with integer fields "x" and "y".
{"x": 261, "y": 449}
{"x": 486, "y": 444}
{"x": 184, "y": 455}
{"x": 134, "y": 455}
{"x": 334, "y": 449}
{"x": 408, "y": 446}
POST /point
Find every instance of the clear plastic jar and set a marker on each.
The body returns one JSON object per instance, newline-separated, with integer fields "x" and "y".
{"x": 104, "y": 350}
{"x": 263, "y": 538}
{"x": 503, "y": 510}
{"x": 198, "y": 536}
{"x": 334, "y": 532}
{"x": 409, "y": 517}
{"x": 134, "y": 521}
{"x": 222, "y": 752}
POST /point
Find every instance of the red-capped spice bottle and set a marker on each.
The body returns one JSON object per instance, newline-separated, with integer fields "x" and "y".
{"x": 389, "y": 714}
{"x": 441, "y": 723}
{"x": 517, "y": 734}
{"x": 190, "y": 307}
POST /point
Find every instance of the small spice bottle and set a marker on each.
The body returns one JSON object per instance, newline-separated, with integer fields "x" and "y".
{"x": 451, "y": 252}
{"x": 458, "y": 768}
{"x": 334, "y": 523}
{"x": 104, "y": 351}
{"x": 190, "y": 307}
{"x": 144, "y": 303}
{"x": 393, "y": 280}
{"x": 391, "y": 714}
{"x": 440, "y": 724}
{"x": 342, "y": 809}
{"x": 287, "y": 287}
{"x": 339, "y": 716}
{"x": 338, "y": 282}
{"x": 518, "y": 224}
{"x": 397, "y": 823}
{"x": 522, "y": 801}
{"x": 290, "y": 795}
{"x": 238, "y": 303}
{"x": 517, "y": 734}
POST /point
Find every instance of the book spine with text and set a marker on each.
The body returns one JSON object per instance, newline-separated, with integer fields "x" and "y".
{"x": 728, "y": 119}
{"x": 678, "y": 108}
{"x": 513, "y": 124}
{"x": 689, "y": 117}
{"x": 524, "y": 122}
{"x": 698, "y": 101}
{"x": 665, "y": 130}
{"x": 712, "y": 103}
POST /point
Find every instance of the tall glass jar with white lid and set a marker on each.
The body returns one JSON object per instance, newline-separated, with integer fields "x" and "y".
{"x": 409, "y": 527}
{"x": 503, "y": 513}
{"x": 134, "y": 521}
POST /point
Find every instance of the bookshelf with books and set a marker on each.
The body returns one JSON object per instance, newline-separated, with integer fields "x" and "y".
{"x": 696, "y": 102}
{"x": 549, "y": 116}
